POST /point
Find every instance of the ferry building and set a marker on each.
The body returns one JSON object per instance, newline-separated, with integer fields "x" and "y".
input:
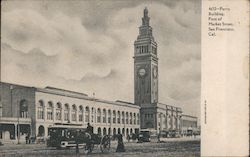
{"x": 31, "y": 110}
{"x": 154, "y": 115}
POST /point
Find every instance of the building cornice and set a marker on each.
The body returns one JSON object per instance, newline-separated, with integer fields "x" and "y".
{"x": 84, "y": 97}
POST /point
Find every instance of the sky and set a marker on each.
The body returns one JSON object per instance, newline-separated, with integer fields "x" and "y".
{"x": 87, "y": 46}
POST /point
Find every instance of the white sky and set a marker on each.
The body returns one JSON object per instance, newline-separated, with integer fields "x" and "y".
{"x": 87, "y": 46}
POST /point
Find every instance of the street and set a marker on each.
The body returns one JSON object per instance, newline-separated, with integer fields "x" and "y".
{"x": 168, "y": 148}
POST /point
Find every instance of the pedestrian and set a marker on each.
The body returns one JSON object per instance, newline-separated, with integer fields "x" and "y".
{"x": 27, "y": 138}
{"x": 120, "y": 145}
{"x": 88, "y": 136}
{"x": 128, "y": 137}
{"x": 158, "y": 137}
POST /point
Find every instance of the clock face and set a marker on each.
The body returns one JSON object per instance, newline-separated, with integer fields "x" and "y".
{"x": 142, "y": 72}
{"x": 155, "y": 72}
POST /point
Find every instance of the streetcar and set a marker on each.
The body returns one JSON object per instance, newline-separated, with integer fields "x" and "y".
{"x": 147, "y": 135}
{"x": 65, "y": 137}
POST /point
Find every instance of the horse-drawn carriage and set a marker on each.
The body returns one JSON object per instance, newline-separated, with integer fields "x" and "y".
{"x": 62, "y": 137}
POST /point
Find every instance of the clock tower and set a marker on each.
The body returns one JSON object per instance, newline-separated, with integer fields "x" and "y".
{"x": 145, "y": 65}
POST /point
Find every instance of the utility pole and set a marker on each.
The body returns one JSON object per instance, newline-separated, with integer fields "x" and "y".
{"x": 11, "y": 101}
{"x": 18, "y": 125}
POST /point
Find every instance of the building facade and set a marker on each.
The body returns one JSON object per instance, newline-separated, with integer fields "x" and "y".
{"x": 189, "y": 125}
{"x": 29, "y": 110}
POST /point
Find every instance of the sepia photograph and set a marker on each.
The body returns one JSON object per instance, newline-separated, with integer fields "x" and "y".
{"x": 100, "y": 78}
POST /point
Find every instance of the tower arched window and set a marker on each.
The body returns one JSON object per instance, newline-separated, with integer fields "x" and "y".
{"x": 40, "y": 110}
{"x": 73, "y": 113}
{"x": 98, "y": 115}
{"x": 50, "y": 111}
{"x": 80, "y": 114}
{"x": 23, "y": 109}
{"x": 87, "y": 114}
{"x": 58, "y": 111}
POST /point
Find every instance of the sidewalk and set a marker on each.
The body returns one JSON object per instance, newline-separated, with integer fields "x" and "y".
{"x": 197, "y": 138}
{"x": 10, "y": 146}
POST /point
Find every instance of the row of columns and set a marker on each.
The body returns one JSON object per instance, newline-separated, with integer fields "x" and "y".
{"x": 174, "y": 120}
{"x": 91, "y": 113}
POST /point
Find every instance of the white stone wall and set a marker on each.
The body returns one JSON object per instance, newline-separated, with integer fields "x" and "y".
{"x": 95, "y": 104}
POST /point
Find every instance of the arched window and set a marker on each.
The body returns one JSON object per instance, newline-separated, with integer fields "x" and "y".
{"x": 87, "y": 114}
{"x": 99, "y": 131}
{"x": 58, "y": 111}
{"x": 118, "y": 117}
{"x": 104, "y": 115}
{"x": 92, "y": 115}
{"x": 114, "y": 116}
{"x": 109, "y": 116}
{"x": 66, "y": 112}
{"x": 138, "y": 119}
{"x": 50, "y": 111}
{"x": 127, "y": 131}
{"x": 80, "y": 114}
{"x": 123, "y": 117}
{"x": 98, "y": 115}
{"x": 123, "y": 131}
{"x": 134, "y": 119}
{"x": 109, "y": 131}
{"x": 41, "y": 131}
{"x": 73, "y": 113}
{"x": 40, "y": 110}
{"x": 130, "y": 118}
{"x": 104, "y": 131}
{"x": 126, "y": 117}
{"x": 23, "y": 109}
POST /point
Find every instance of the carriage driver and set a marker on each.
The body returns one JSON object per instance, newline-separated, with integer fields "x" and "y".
{"x": 89, "y": 129}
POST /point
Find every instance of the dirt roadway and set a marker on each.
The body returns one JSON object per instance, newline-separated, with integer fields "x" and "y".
{"x": 171, "y": 148}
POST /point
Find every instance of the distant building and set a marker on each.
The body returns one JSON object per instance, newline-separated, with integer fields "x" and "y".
{"x": 36, "y": 109}
{"x": 189, "y": 124}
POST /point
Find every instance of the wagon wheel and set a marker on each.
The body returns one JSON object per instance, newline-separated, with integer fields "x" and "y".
{"x": 105, "y": 143}
{"x": 89, "y": 148}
